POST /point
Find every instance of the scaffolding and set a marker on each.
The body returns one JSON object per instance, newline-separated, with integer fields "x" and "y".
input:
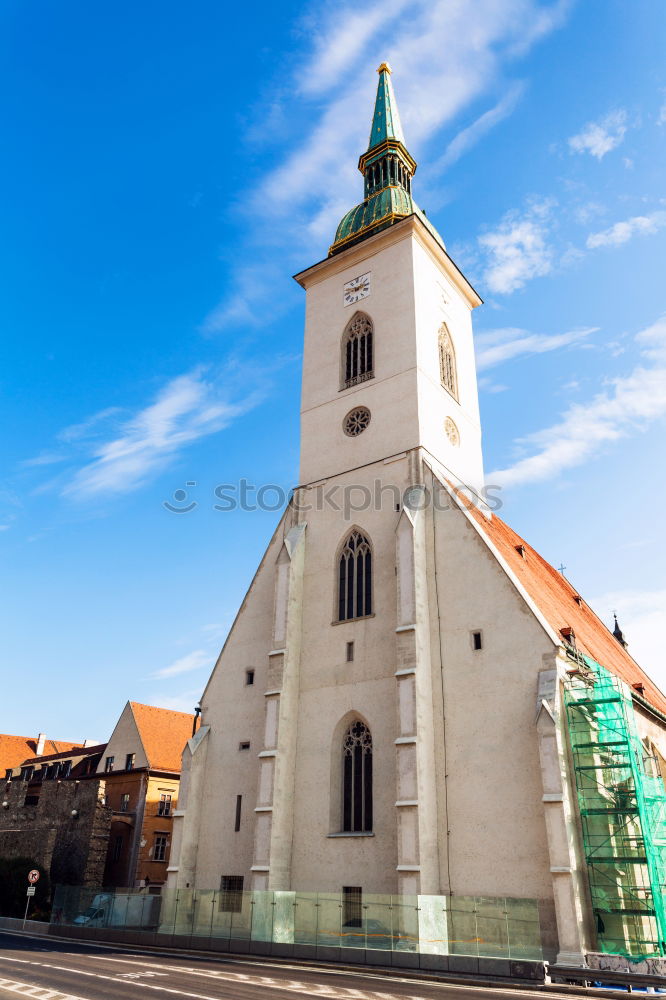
{"x": 622, "y": 804}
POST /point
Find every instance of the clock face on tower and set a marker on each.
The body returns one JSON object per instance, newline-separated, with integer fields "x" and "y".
{"x": 357, "y": 288}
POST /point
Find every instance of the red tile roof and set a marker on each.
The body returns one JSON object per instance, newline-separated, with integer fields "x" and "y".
{"x": 15, "y": 750}
{"x": 555, "y": 597}
{"x": 163, "y": 733}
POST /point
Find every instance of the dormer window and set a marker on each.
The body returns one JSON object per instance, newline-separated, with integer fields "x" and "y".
{"x": 568, "y": 635}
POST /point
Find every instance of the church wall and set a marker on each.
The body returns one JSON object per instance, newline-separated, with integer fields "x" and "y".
{"x": 333, "y": 691}
{"x": 497, "y": 843}
{"x": 438, "y": 302}
{"x": 325, "y": 448}
{"x": 655, "y": 731}
{"x": 235, "y": 713}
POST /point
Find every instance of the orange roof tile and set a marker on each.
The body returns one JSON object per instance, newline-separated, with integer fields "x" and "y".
{"x": 15, "y": 750}
{"x": 164, "y": 734}
{"x": 555, "y": 598}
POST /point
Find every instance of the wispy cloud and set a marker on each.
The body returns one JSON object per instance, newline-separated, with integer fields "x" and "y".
{"x": 629, "y": 404}
{"x": 46, "y": 458}
{"x": 622, "y": 232}
{"x": 519, "y": 248}
{"x": 189, "y": 407}
{"x": 497, "y": 346}
{"x": 468, "y": 137}
{"x": 600, "y": 137}
{"x": 294, "y": 210}
{"x": 77, "y": 432}
{"x": 184, "y": 701}
{"x": 340, "y": 39}
{"x": 661, "y": 119}
{"x": 195, "y": 660}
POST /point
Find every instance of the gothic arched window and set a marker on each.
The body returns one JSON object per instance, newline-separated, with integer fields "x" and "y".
{"x": 447, "y": 361}
{"x": 357, "y": 351}
{"x": 357, "y": 779}
{"x": 355, "y": 578}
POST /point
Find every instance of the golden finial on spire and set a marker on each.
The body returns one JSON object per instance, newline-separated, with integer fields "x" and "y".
{"x": 384, "y": 66}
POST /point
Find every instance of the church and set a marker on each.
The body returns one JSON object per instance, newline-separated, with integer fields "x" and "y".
{"x": 411, "y": 701}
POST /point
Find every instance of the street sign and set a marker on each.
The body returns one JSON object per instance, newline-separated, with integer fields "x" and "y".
{"x": 33, "y": 876}
{"x": 30, "y": 891}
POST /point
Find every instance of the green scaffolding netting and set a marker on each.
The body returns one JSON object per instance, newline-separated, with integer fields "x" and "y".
{"x": 622, "y": 804}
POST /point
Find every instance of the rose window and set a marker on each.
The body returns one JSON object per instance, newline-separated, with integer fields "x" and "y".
{"x": 451, "y": 432}
{"x": 356, "y": 421}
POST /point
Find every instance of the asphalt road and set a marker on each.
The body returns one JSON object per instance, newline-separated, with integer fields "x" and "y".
{"x": 48, "y": 970}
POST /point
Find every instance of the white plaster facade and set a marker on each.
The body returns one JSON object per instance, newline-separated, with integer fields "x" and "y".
{"x": 472, "y": 785}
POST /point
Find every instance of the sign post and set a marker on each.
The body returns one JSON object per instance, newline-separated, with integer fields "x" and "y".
{"x": 33, "y": 877}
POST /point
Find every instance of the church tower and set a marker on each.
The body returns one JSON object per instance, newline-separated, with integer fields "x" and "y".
{"x": 388, "y": 712}
{"x": 388, "y": 362}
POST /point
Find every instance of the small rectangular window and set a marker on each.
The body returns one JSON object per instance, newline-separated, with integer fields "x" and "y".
{"x": 477, "y": 641}
{"x": 239, "y": 803}
{"x": 164, "y": 807}
{"x": 231, "y": 894}
{"x": 159, "y": 849}
{"x": 108, "y": 766}
{"x": 352, "y": 906}
{"x": 65, "y": 768}
{"x": 124, "y": 802}
{"x": 249, "y": 677}
{"x": 8, "y": 774}
{"x": 244, "y": 746}
{"x": 350, "y": 652}
{"x": 129, "y": 762}
{"x": 117, "y": 848}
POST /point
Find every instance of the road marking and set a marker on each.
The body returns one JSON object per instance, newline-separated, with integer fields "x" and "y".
{"x": 313, "y": 989}
{"x": 27, "y": 989}
{"x": 138, "y": 975}
{"x": 366, "y": 973}
{"x": 293, "y": 986}
{"x": 312, "y": 967}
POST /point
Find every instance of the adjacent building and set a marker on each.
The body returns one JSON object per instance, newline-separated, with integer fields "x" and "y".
{"x": 53, "y": 812}
{"x": 96, "y": 815}
{"x": 411, "y": 700}
{"x": 140, "y": 769}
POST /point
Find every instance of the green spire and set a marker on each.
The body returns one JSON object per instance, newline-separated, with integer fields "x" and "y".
{"x": 387, "y": 169}
{"x": 386, "y": 120}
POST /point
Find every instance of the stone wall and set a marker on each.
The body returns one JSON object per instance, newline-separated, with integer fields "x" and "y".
{"x": 72, "y": 848}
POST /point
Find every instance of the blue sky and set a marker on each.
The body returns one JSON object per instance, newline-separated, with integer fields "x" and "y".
{"x": 167, "y": 168}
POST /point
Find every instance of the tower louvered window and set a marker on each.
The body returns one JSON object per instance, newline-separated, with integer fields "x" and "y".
{"x": 355, "y": 578}
{"x": 447, "y": 362}
{"x": 357, "y": 779}
{"x": 357, "y": 351}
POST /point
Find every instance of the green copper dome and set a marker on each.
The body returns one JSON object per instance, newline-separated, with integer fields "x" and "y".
{"x": 388, "y": 169}
{"x": 376, "y": 212}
